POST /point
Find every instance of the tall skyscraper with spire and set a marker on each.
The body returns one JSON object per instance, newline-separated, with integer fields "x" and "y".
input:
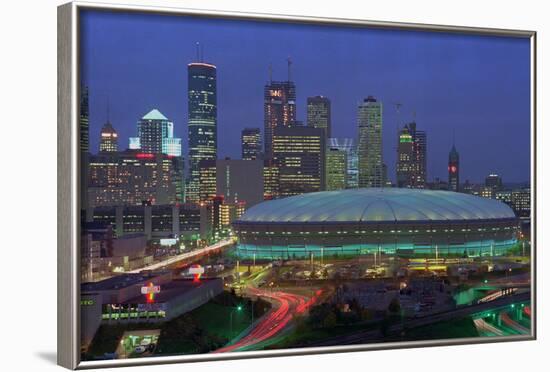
{"x": 202, "y": 122}
{"x": 279, "y": 108}
{"x": 108, "y": 141}
{"x": 454, "y": 170}
{"x": 372, "y": 170}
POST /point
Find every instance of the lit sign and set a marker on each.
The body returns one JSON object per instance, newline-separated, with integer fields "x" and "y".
{"x": 87, "y": 302}
{"x": 452, "y": 168}
{"x": 168, "y": 242}
{"x": 145, "y": 156}
{"x": 196, "y": 271}
{"x": 149, "y": 292}
{"x": 276, "y": 93}
{"x": 405, "y": 138}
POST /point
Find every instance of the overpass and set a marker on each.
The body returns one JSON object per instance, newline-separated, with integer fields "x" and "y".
{"x": 457, "y": 313}
{"x": 187, "y": 256}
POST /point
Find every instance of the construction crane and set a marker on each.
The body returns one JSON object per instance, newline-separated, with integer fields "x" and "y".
{"x": 398, "y": 106}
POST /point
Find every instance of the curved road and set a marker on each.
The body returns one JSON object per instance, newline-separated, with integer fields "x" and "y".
{"x": 513, "y": 324}
{"x": 285, "y": 307}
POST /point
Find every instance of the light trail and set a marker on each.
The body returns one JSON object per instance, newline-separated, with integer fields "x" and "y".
{"x": 497, "y": 294}
{"x": 484, "y": 327}
{"x": 513, "y": 324}
{"x": 185, "y": 256}
{"x": 287, "y": 305}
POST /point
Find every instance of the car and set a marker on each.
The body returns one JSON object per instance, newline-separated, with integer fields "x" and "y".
{"x": 371, "y": 271}
{"x": 140, "y": 349}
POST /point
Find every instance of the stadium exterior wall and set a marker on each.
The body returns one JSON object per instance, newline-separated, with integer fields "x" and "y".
{"x": 272, "y": 240}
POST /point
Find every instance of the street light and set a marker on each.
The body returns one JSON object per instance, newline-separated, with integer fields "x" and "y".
{"x": 238, "y": 308}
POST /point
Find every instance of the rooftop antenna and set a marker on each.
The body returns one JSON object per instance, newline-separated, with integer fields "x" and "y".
{"x": 398, "y": 106}
{"x": 453, "y": 137}
{"x": 202, "y": 53}
{"x": 108, "y": 110}
{"x": 289, "y": 63}
{"x": 270, "y": 69}
{"x": 197, "y": 44}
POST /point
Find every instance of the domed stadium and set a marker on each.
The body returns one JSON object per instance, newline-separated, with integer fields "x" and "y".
{"x": 407, "y": 222}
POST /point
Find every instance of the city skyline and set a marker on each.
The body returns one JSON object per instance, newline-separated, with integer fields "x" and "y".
{"x": 461, "y": 64}
{"x": 374, "y": 189}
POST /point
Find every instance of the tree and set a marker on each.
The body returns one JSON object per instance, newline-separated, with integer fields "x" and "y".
{"x": 330, "y": 320}
{"x": 384, "y": 326}
{"x": 394, "y": 307}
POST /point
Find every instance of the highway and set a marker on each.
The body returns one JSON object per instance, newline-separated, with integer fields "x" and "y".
{"x": 487, "y": 329}
{"x": 187, "y": 256}
{"x": 513, "y": 324}
{"x": 285, "y": 306}
{"x": 458, "y": 313}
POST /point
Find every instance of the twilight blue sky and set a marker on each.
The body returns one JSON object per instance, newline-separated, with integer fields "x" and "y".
{"x": 477, "y": 86}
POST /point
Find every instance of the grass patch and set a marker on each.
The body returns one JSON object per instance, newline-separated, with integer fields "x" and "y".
{"x": 460, "y": 328}
{"x": 215, "y": 318}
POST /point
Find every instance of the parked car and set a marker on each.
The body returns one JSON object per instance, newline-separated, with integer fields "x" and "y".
{"x": 140, "y": 349}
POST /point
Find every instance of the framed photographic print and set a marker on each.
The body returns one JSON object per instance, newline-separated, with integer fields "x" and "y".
{"x": 239, "y": 185}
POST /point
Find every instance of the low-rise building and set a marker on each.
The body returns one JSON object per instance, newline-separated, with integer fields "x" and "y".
{"x": 141, "y": 298}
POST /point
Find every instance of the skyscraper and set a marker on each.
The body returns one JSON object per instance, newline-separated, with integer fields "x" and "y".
{"x": 108, "y": 141}
{"x": 251, "y": 144}
{"x": 494, "y": 181}
{"x": 271, "y": 180}
{"x": 372, "y": 171}
{"x": 84, "y": 120}
{"x": 156, "y": 136}
{"x": 349, "y": 146}
{"x": 132, "y": 178}
{"x": 171, "y": 146}
{"x": 318, "y": 114}
{"x": 202, "y": 122}
{"x": 84, "y": 142}
{"x": 207, "y": 180}
{"x": 454, "y": 170}
{"x": 521, "y": 202}
{"x": 411, "y": 157}
{"x": 299, "y": 153}
{"x": 279, "y": 110}
{"x": 153, "y": 129}
{"x": 421, "y": 145}
{"x": 335, "y": 169}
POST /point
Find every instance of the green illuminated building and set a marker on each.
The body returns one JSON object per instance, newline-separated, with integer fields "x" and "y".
{"x": 335, "y": 169}
{"x": 411, "y": 157}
